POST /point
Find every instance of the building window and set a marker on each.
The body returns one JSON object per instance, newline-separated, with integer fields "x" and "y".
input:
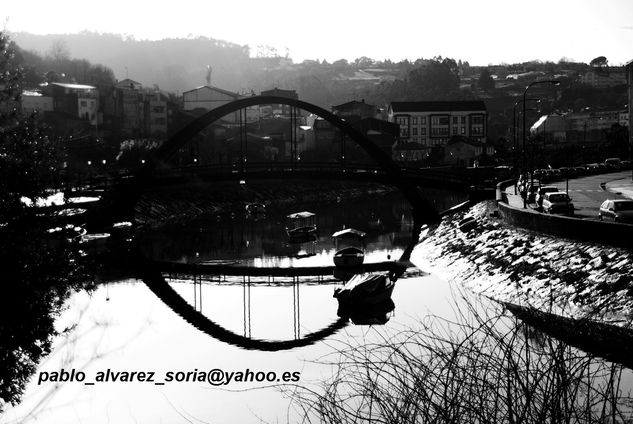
{"x": 463, "y": 130}
{"x": 439, "y": 120}
{"x": 415, "y": 120}
{"x": 454, "y": 130}
{"x": 83, "y": 103}
{"x": 454, "y": 120}
{"x": 439, "y": 132}
{"x": 463, "y": 120}
{"x": 476, "y": 120}
{"x": 403, "y": 122}
{"x": 414, "y": 130}
{"x": 422, "y": 131}
{"x": 422, "y": 120}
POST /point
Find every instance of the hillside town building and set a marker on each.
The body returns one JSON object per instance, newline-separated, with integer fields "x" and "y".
{"x": 433, "y": 123}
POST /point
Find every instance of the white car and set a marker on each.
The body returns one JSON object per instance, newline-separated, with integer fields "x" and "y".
{"x": 558, "y": 202}
{"x": 540, "y": 194}
{"x": 619, "y": 210}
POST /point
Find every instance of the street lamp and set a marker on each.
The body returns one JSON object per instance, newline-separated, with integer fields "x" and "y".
{"x": 553, "y": 82}
{"x": 515, "y": 143}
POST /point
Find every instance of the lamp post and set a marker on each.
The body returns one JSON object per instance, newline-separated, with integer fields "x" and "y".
{"x": 553, "y": 82}
{"x": 515, "y": 141}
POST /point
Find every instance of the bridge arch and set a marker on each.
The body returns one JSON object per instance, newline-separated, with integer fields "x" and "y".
{"x": 422, "y": 208}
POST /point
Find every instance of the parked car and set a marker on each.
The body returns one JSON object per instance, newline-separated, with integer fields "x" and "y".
{"x": 540, "y": 173}
{"x": 541, "y": 192}
{"x": 580, "y": 170}
{"x": 619, "y": 210}
{"x": 567, "y": 172}
{"x": 557, "y": 202}
{"x": 613, "y": 163}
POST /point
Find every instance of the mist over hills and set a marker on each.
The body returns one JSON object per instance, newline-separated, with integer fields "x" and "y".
{"x": 175, "y": 65}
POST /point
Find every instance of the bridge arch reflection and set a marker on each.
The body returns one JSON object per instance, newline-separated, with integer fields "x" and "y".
{"x": 157, "y": 283}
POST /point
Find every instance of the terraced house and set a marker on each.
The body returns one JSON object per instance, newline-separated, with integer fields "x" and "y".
{"x": 433, "y": 123}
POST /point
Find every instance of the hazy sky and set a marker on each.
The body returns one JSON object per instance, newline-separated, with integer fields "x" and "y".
{"x": 479, "y": 31}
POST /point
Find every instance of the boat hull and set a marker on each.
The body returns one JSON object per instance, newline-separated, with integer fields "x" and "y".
{"x": 349, "y": 257}
{"x": 365, "y": 291}
{"x": 301, "y": 233}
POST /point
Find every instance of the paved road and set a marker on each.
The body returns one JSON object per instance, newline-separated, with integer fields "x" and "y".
{"x": 587, "y": 193}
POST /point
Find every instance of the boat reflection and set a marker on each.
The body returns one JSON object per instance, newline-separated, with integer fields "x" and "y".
{"x": 376, "y": 314}
{"x": 365, "y": 298}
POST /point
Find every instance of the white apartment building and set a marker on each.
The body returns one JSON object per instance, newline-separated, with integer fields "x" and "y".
{"x": 433, "y": 123}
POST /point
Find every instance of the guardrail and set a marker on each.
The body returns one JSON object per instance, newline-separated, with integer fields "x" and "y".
{"x": 501, "y": 195}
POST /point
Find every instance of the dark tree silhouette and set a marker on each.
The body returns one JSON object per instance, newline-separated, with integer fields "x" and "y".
{"x": 485, "y": 80}
{"x": 434, "y": 80}
{"x": 599, "y": 62}
{"x": 37, "y": 276}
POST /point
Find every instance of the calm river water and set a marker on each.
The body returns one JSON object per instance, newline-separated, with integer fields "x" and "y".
{"x": 123, "y": 326}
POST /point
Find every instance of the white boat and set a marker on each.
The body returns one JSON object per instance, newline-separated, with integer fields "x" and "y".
{"x": 349, "y": 248}
{"x": 365, "y": 290}
{"x": 60, "y": 236}
{"x": 255, "y": 209}
{"x": 301, "y": 226}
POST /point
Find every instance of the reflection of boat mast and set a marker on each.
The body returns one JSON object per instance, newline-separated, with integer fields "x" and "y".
{"x": 246, "y": 284}
{"x": 197, "y": 293}
{"x": 295, "y": 307}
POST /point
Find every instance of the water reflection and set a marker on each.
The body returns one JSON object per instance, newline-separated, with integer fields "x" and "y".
{"x": 159, "y": 286}
{"x": 607, "y": 341}
{"x": 480, "y": 365}
{"x": 263, "y": 243}
{"x": 246, "y": 247}
{"x": 40, "y": 271}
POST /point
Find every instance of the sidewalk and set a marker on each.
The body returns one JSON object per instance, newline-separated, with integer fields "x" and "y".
{"x": 623, "y": 187}
{"x": 587, "y": 192}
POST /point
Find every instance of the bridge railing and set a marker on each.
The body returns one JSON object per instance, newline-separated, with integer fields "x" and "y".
{"x": 260, "y": 167}
{"x": 441, "y": 176}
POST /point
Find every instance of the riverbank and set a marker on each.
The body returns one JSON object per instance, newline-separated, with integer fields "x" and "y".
{"x": 574, "y": 279}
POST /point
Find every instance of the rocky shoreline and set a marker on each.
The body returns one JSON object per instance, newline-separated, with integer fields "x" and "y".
{"x": 567, "y": 277}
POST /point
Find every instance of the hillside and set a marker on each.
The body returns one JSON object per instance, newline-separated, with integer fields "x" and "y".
{"x": 175, "y": 65}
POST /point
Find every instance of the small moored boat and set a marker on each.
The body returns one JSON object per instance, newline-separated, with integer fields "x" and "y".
{"x": 364, "y": 290}
{"x": 301, "y": 226}
{"x": 349, "y": 248}
{"x": 255, "y": 209}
